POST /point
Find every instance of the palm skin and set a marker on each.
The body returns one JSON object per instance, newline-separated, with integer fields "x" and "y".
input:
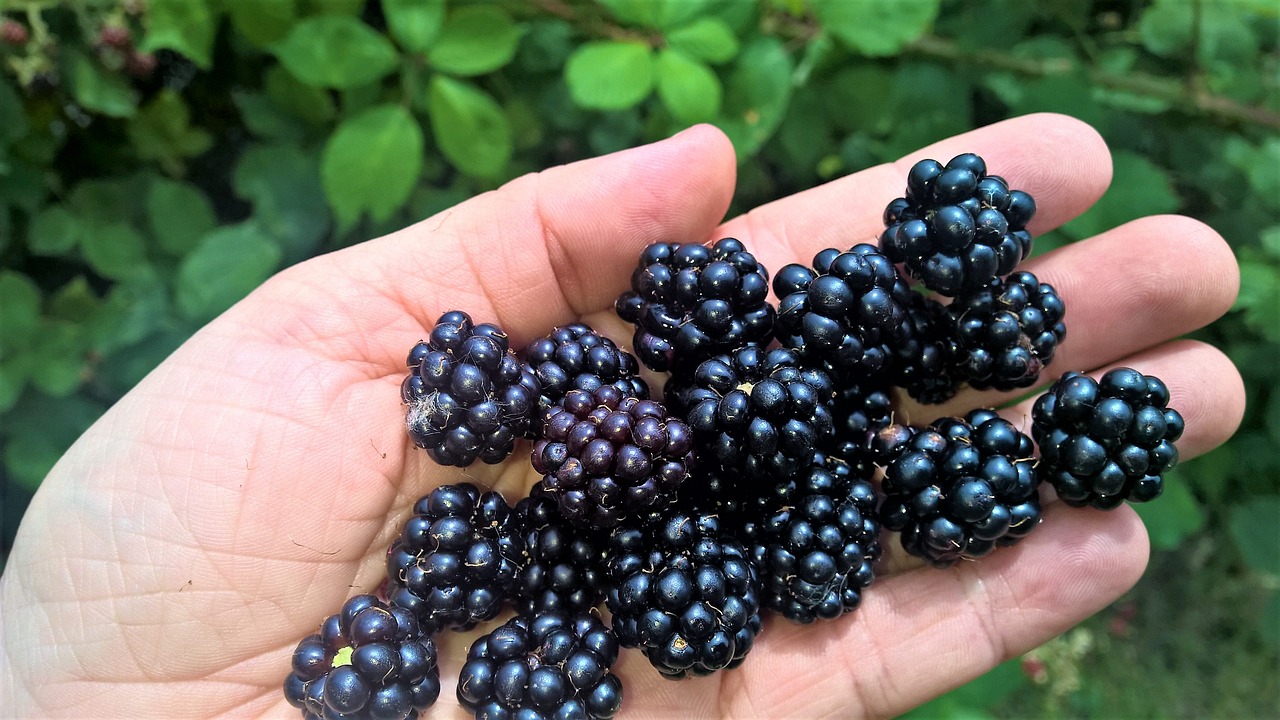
{"x": 177, "y": 553}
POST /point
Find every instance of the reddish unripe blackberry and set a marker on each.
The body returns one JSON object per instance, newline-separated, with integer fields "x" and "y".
{"x": 468, "y": 396}
{"x": 684, "y": 592}
{"x": 370, "y": 661}
{"x": 563, "y": 569}
{"x": 606, "y": 456}
{"x": 457, "y": 558}
{"x": 13, "y": 33}
{"x": 958, "y": 488}
{"x": 1006, "y": 333}
{"x": 575, "y": 357}
{"x": 690, "y": 302}
{"x": 957, "y": 228}
{"x": 1106, "y": 441}
{"x": 549, "y": 665}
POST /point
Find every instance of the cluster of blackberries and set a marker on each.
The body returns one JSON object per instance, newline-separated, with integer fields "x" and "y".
{"x": 750, "y": 485}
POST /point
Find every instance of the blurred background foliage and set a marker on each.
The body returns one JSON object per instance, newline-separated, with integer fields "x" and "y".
{"x": 161, "y": 158}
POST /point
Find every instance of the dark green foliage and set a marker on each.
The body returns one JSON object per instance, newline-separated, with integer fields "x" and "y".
{"x": 147, "y": 146}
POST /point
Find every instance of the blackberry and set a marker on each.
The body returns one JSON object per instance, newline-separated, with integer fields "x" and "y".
{"x": 844, "y": 311}
{"x": 959, "y": 488}
{"x": 1103, "y": 442}
{"x": 468, "y": 395}
{"x": 607, "y": 455}
{"x": 552, "y": 665}
{"x": 859, "y": 411}
{"x": 689, "y": 302}
{"x": 575, "y": 357}
{"x": 758, "y": 413}
{"x": 457, "y": 558}
{"x": 564, "y": 566}
{"x": 958, "y": 227}
{"x": 370, "y": 660}
{"x": 1006, "y": 332}
{"x": 923, "y": 361}
{"x": 684, "y": 592}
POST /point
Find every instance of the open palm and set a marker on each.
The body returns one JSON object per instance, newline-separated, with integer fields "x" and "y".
{"x": 177, "y": 553}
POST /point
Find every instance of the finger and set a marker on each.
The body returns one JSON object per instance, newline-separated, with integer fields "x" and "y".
{"x": 923, "y": 632}
{"x": 1061, "y": 161}
{"x": 1126, "y": 290}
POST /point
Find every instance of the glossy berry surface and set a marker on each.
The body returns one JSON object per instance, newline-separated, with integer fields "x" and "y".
{"x": 457, "y": 558}
{"x": 368, "y": 662}
{"x": 924, "y": 359}
{"x": 551, "y": 665}
{"x": 957, "y": 227}
{"x": 689, "y": 302}
{"x": 468, "y": 396}
{"x": 563, "y": 569}
{"x": 1106, "y": 441}
{"x": 958, "y": 488}
{"x": 684, "y": 592}
{"x": 575, "y": 357}
{"x": 607, "y": 456}
{"x": 1006, "y": 333}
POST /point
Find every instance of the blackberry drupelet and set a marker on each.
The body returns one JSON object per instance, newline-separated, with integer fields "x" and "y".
{"x": 923, "y": 360}
{"x": 457, "y": 558}
{"x": 605, "y": 456}
{"x": 575, "y": 357}
{"x": 563, "y": 570}
{"x": 859, "y": 411}
{"x": 469, "y": 397}
{"x": 684, "y": 592}
{"x": 1005, "y": 333}
{"x": 844, "y": 311}
{"x": 817, "y": 542}
{"x": 690, "y": 302}
{"x": 552, "y": 665}
{"x": 958, "y": 488}
{"x": 370, "y": 661}
{"x": 759, "y": 413}
{"x": 1106, "y": 441}
{"x": 958, "y": 227}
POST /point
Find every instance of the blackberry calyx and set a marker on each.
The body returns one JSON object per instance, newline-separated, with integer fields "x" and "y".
{"x": 563, "y": 570}
{"x": 1106, "y": 441}
{"x": 575, "y": 357}
{"x": 1006, "y": 333}
{"x": 457, "y": 558}
{"x": 468, "y": 396}
{"x": 606, "y": 455}
{"x": 370, "y": 660}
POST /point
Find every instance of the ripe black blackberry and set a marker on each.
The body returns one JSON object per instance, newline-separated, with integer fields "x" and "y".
{"x": 457, "y": 558}
{"x": 468, "y": 395}
{"x": 1106, "y": 441}
{"x": 958, "y": 488}
{"x": 758, "y": 413}
{"x": 684, "y": 592}
{"x": 370, "y": 660}
{"x": 818, "y": 541}
{"x": 924, "y": 359}
{"x": 563, "y": 569}
{"x": 606, "y": 455}
{"x": 689, "y": 302}
{"x": 575, "y": 357}
{"x": 860, "y": 410}
{"x": 552, "y": 665}
{"x": 958, "y": 227}
{"x": 843, "y": 312}
{"x": 1005, "y": 333}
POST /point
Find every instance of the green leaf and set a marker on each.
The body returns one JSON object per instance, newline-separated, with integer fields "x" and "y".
{"x": 53, "y": 232}
{"x": 476, "y": 39}
{"x": 868, "y": 28}
{"x": 707, "y": 38}
{"x": 262, "y": 23}
{"x": 1138, "y": 188}
{"x": 289, "y": 204}
{"x": 102, "y": 201}
{"x": 13, "y": 119}
{"x": 336, "y": 51}
{"x": 312, "y": 105}
{"x": 185, "y": 26}
{"x": 610, "y": 75}
{"x": 264, "y": 119}
{"x": 1270, "y": 621}
{"x": 114, "y": 251}
{"x": 976, "y": 698}
{"x": 1256, "y": 531}
{"x": 469, "y": 126}
{"x": 100, "y": 91}
{"x": 19, "y": 310}
{"x": 414, "y": 23}
{"x": 127, "y": 366}
{"x": 659, "y": 14}
{"x": 227, "y": 265}
{"x": 49, "y": 426}
{"x": 13, "y": 379}
{"x": 1173, "y": 517}
{"x": 371, "y": 163}
{"x": 131, "y": 311}
{"x": 57, "y": 357}
{"x": 757, "y": 95}
{"x": 179, "y": 215}
{"x": 75, "y": 302}
{"x": 163, "y": 132}
{"x": 687, "y": 87}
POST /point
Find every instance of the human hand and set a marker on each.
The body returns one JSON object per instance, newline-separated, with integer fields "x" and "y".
{"x": 174, "y": 557}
